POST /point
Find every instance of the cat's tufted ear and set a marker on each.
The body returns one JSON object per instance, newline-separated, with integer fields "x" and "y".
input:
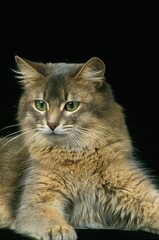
{"x": 93, "y": 70}
{"x": 29, "y": 71}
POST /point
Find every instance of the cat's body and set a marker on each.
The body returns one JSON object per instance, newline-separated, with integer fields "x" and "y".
{"x": 72, "y": 166}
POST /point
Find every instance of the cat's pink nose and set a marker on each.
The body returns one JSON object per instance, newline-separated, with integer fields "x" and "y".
{"x": 52, "y": 125}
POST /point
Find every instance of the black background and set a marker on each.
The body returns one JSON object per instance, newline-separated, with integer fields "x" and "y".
{"x": 124, "y": 34}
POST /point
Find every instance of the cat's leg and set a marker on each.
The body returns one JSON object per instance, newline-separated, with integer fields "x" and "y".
{"x": 43, "y": 222}
{"x": 141, "y": 212}
{"x": 133, "y": 202}
{"x": 6, "y": 211}
{"x": 149, "y": 210}
{"x": 41, "y": 215}
{"x": 6, "y": 216}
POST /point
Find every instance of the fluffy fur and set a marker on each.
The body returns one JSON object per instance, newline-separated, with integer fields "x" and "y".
{"x": 71, "y": 163}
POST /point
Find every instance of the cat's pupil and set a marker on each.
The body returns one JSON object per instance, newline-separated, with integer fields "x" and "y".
{"x": 70, "y": 105}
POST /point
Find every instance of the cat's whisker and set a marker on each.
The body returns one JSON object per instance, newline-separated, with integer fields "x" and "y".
{"x": 74, "y": 138}
{"x": 10, "y": 126}
{"x": 100, "y": 136}
{"x": 107, "y": 130}
{"x": 9, "y": 135}
{"x": 92, "y": 135}
{"x": 14, "y": 133}
{"x": 14, "y": 138}
{"x": 28, "y": 142}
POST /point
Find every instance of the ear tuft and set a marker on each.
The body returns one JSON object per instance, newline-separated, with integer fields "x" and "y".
{"x": 26, "y": 68}
{"x": 28, "y": 71}
{"x": 93, "y": 70}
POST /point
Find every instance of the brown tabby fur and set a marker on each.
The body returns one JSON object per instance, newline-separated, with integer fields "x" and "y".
{"x": 72, "y": 169}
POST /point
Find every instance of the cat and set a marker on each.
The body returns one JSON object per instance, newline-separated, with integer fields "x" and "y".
{"x": 71, "y": 164}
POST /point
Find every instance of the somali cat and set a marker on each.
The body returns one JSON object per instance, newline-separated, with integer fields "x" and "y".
{"x": 71, "y": 164}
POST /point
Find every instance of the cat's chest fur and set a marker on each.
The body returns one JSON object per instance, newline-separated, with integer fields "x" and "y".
{"x": 78, "y": 176}
{"x": 80, "y": 165}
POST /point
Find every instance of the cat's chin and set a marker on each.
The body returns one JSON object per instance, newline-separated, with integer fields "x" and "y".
{"x": 58, "y": 140}
{"x": 54, "y": 140}
{"x": 56, "y": 135}
{"x": 63, "y": 141}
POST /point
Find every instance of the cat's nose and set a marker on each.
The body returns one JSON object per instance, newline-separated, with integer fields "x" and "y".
{"x": 52, "y": 125}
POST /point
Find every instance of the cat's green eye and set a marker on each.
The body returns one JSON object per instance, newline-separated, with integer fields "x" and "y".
{"x": 71, "y": 106}
{"x": 41, "y": 105}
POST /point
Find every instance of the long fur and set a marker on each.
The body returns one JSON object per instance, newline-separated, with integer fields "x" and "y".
{"x": 72, "y": 168}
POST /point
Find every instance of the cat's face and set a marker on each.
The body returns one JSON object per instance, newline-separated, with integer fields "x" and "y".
{"x": 64, "y": 104}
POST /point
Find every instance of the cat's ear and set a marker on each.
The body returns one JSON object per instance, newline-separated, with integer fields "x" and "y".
{"x": 93, "y": 70}
{"x": 29, "y": 71}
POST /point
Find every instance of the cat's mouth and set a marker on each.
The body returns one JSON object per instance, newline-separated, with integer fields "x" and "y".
{"x": 54, "y": 133}
{"x": 58, "y": 130}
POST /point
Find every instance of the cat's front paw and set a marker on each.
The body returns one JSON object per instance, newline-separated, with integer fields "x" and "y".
{"x": 63, "y": 232}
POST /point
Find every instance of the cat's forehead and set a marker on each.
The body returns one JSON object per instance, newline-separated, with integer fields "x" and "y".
{"x": 64, "y": 69}
{"x": 59, "y": 85}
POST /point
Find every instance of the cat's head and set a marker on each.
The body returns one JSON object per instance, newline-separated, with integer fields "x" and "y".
{"x": 67, "y": 104}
